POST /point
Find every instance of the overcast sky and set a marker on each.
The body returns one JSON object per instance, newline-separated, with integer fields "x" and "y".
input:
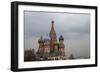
{"x": 75, "y": 29}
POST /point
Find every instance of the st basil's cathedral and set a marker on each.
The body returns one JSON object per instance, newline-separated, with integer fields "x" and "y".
{"x": 50, "y": 48}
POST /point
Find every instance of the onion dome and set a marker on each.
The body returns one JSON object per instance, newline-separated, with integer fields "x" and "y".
{"x": 61, "y": 38}
{"x": 41, "y": 40}
{"x": 52, "y": 21}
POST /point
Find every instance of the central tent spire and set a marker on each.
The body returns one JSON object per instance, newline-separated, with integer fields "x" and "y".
{"x": 52, "y": 33}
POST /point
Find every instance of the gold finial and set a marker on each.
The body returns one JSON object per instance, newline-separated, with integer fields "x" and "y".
{"x": 52, "y": 20}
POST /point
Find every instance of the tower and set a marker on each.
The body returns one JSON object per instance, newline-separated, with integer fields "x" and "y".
{"x": 52, "y": 35}
{"x": 41, "y": 46}
{"x": 61, "y": 45}
{"x": 46, "y": 47}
